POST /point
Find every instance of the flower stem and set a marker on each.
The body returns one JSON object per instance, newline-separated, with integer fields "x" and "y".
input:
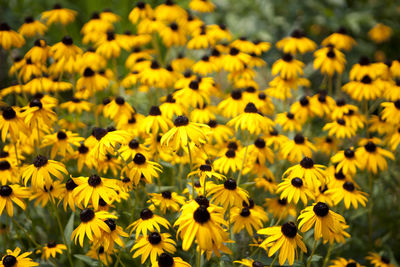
{"x": 190, "y": 159}
{"x": 244, "y": 160}
{"x": 25, "y": 232}
{"x": 198, "y": 258}
{"x": 274, "y": 260}
{"x": 312, "y": 253}
{"x": 328, "y": 255}
{"x": 55, "y": 211}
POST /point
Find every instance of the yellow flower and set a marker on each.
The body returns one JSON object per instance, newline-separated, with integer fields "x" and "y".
{"x": 59, "y": 15}
{"x": 32, "y": 27}
{"x": 380, "y": 33}
{"x": 297, "y": 42}
{"x": 10, "y": 194}
{"x": 10, "y": 38}
{"x": 14, "y": 259}
{"x": 153, "y": 245}
{"x": 51, "y": 249}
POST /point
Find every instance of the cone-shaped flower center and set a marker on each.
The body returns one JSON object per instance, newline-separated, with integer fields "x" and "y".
{"x": 9, "y": 113}
{"x": 5, "y": 191}
{"x": 181, "y": 121}
{"x": 111, "y": 224}
{"x": 289, "y": 229}
{"x": 139, "y": 159}
{"x": 154, "y": 238}
{"x": 86, "y": 215}
{"x": 146, "y": 214}
{"x": 9, "y": 261}
{"x": 165, "y": 260}
{"x": 201, "y": 215}
{"x": 321, "y": 209}
{"x": 307, "y": 163}
{"x": 40, "y": 161}
{"x": 297, "y": 182}
{"x": 230, "y": 184}
{"x": 94, "y": 180}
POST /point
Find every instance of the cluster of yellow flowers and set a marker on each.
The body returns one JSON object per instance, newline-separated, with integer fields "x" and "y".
{"x": 188, "y": 174}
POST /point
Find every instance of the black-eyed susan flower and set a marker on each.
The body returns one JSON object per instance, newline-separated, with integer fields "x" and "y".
{"x": 183, "y": 133}
{"x": 340, "y": 40}
{"x": 10, "y": 194}
{"x": 251, "y": 120}
{"x": 378, "y": 260}
{"x": 47, "y": 193}
{"x": 12, "y": 123}
{"x": 90, "y": 83}
{"x": 231, "y": 161}
{"x": 8, "y": 171}
{"x": 76, "y": 105}
{"x": 232, "y": 106}
{"x": 169, "y": 11}
{"x": 329, "y": 61}
{"x": 51, "y": 249}
{"x": 313, "y": 175}
{"x": 16, "y": 259}
{"x": 342, "y": 262}
{"x": 245, "y": 218}
{"x": 297, "y": 42}
{"x": 391, "y": 112}
{"x": 228, "y": 194}
{"x": 167, "y": 200}
{"x": 350, "y": 194}
{"x": 235, "y": 60}
{"x": 203, "y": 222}
{"x": 288, "y": 67}
{"x": 9, "y": 38}
{"x": 339, "y": 128}
{"x": 106, "y": 140}
{"x": 294, "y": 190}
{"x": 153, "y": 245}
{"x": 59, "y": 14}
{"x": 202, "y": 6}
{"x": 267, "y": 183}
{"x": 92, "y": 225}
{"x": 108, "y": 239}
{"x": 206, "y": 171}
{"x": 148, "y": 222}
{"x": 347, "y": 161}
{"x": 326, "y": 222}
{"x": 288, "y": 121}
{"x": 296, "y": 149}
{"x": 40, "y": 172}
{"x": 140, "y": 11}
{"x": 365, "y": 89}
{"x": 62, "y": 143}
{"x": 155, "y": 122}
{"x": 167, "y": 260}
{"x": 32, "y": 27}
{"x": 98, "y": 252}
{"x": 141, "y": 168}
{"x": 284, "y": 238}
{"x": 93, "y": 188}
{"x": 373, "y": 157}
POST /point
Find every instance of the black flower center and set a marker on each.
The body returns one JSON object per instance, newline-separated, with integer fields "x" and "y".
{"x": 166, "y": 194}
{"x": 9, "y": 113}
{"x": 364, "y": 61}
{"x": 331, "y": 53}
{"x": 287, "y": 57}
{"x": 181, "y": 121}
{"x": 40, "y": 161}
{"x": 94, "y": 180}
{"x": 260, "y": 143}
{"x": 351, "y": 264}
{"x": 165, "y": 260}
{"x": 146, "y": 214}
{"x": 134, "y": 144}
{"x": 110, "y": 36}
{"x": 99, "y": 133}
{"x": 349, "y": 186}
{"x": 366, "y": 79}
{"x": 36, "y": 103}
{"x": 249, "y": 205}
{"x": 88, "y": 72}
{"x": 120, "y": 100}
{"x": 339, "y": 175}
{"x": 61, "y": 135}
{"x": 154, "y": 65}
{"x": 299, "y": 139}
{"x": 233, "y": 145}
{"x": 139, "y": 159}
{"x": 385, "y": 260}
{"x": 282, "y": 201}
{"x": 83, "y": 149}
{"x": 4, "y": 27}
{"x": 328, "y": 140}
{"x": 289, "y": 229}
{"x": 194, "y": 85}
{"x": 304, "y": 101}
{"x": 51, "y": 244}
{"x": 245, "y": 212}
{"x": 5, "y": 191}
{"x": 155, "y": 111}
{"x": 9, "y": 261}
{"x": 250, "y": 108}
{"x": 230, "y": 184}
{"x": 236, "y": 94}
{"x": 4, "y": 165}
{"x": 341, "y": 122}
{"x": 307, "y": 163}
{"x": 106, "y": 101}
{"x": 70, "y": 184}
{"x": 111, "y": 224}
{"x": 370, "y": 147}
{"x": 201, "y": 215}
{"x": 170, "y": 99}
{"x": 205, "y": 168}
{"x": 212, "y": 123}
{"x": 340, "y": 102}
{"x": 397, "y": 104}
{"x": 297, "y": 182}
{"x": 230, "y": 153}
{"x": 86, "y": 215}
{"x": 321, "y": 209}
{"x": 140, "y": 5}
{"x": 257, "y": 264}
{"x": 67, "y": 40}
{"x": 234, "y": 51}
{"x": 154, "y": 238}
{"x": 349, "y": 153}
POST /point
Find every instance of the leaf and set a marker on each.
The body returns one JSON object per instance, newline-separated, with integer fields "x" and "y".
{"x": 86, "y": 259}
{"x": 316, "y": 258}
{"x": 68, "y": 229}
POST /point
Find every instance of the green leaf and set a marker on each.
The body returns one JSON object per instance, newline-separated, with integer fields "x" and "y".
{"x": 316, "y": 258}
{"x": 68, "y": 229}
{"x": 86, "y": 259}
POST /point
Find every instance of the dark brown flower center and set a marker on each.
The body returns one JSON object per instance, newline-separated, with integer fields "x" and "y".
{"x": 120, "y": 100}
{"x": 9, "y": 261}
{"x": 88, "y": 72}
{"x": 61, "y": 135}
{"x": 230, "y": 153}
{"x": 230, "y": 184}
{"x": 181, "y": 121}
{"x": 201, "y": 215}
{"x": 259, "y": 143}
{"x": 297, "y": 182}
{"x": 370, "y": 147}
{"x": 51, "y": 244}
{"x": 165, "y": 260}
{"x": 299, "y": 139}
{"x": 111, "y": 224}
{"x": 205, "y": 168}
{"x": 155, "y": 111}
{"x": 94, "y": 180}
{"x": 250, "y": 108}
{"x": 321, "y": 209}
{"x": 86, "y": 215}
{"x": 70, "y": 184}
{"x": 166, "y": 194}
{"x": 139, "y": 159}
{"x": 349, "y": 153}
{"x": 289, "y": 229}
{"x": 5, "y": 191}
{"x": 9, "y": 113}
{"x": 40, "y": 161}
{"x": 349, "y": 186}
{"x": 146, "y": 214}
{"x": 154, "y": 238}
{"x": 236, "y": 94}
{"x": 245, "y": 212}
{"x": 4, "y": 165}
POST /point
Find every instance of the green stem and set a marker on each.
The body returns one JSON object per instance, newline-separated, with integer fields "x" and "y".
{"x": 370, "y": 204}
{"x": 330, "y": 87}
{"x": 274, "y": 260}
{"x": 190, "y": 159}
{"x": 16, "y": 154}
{"x": 244, "y": 160}
{"x": 55, "y": 211}
{"x": 198, "y": 258}
{"x": 312, "y": 253}
{"x": 328, "y": 255}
